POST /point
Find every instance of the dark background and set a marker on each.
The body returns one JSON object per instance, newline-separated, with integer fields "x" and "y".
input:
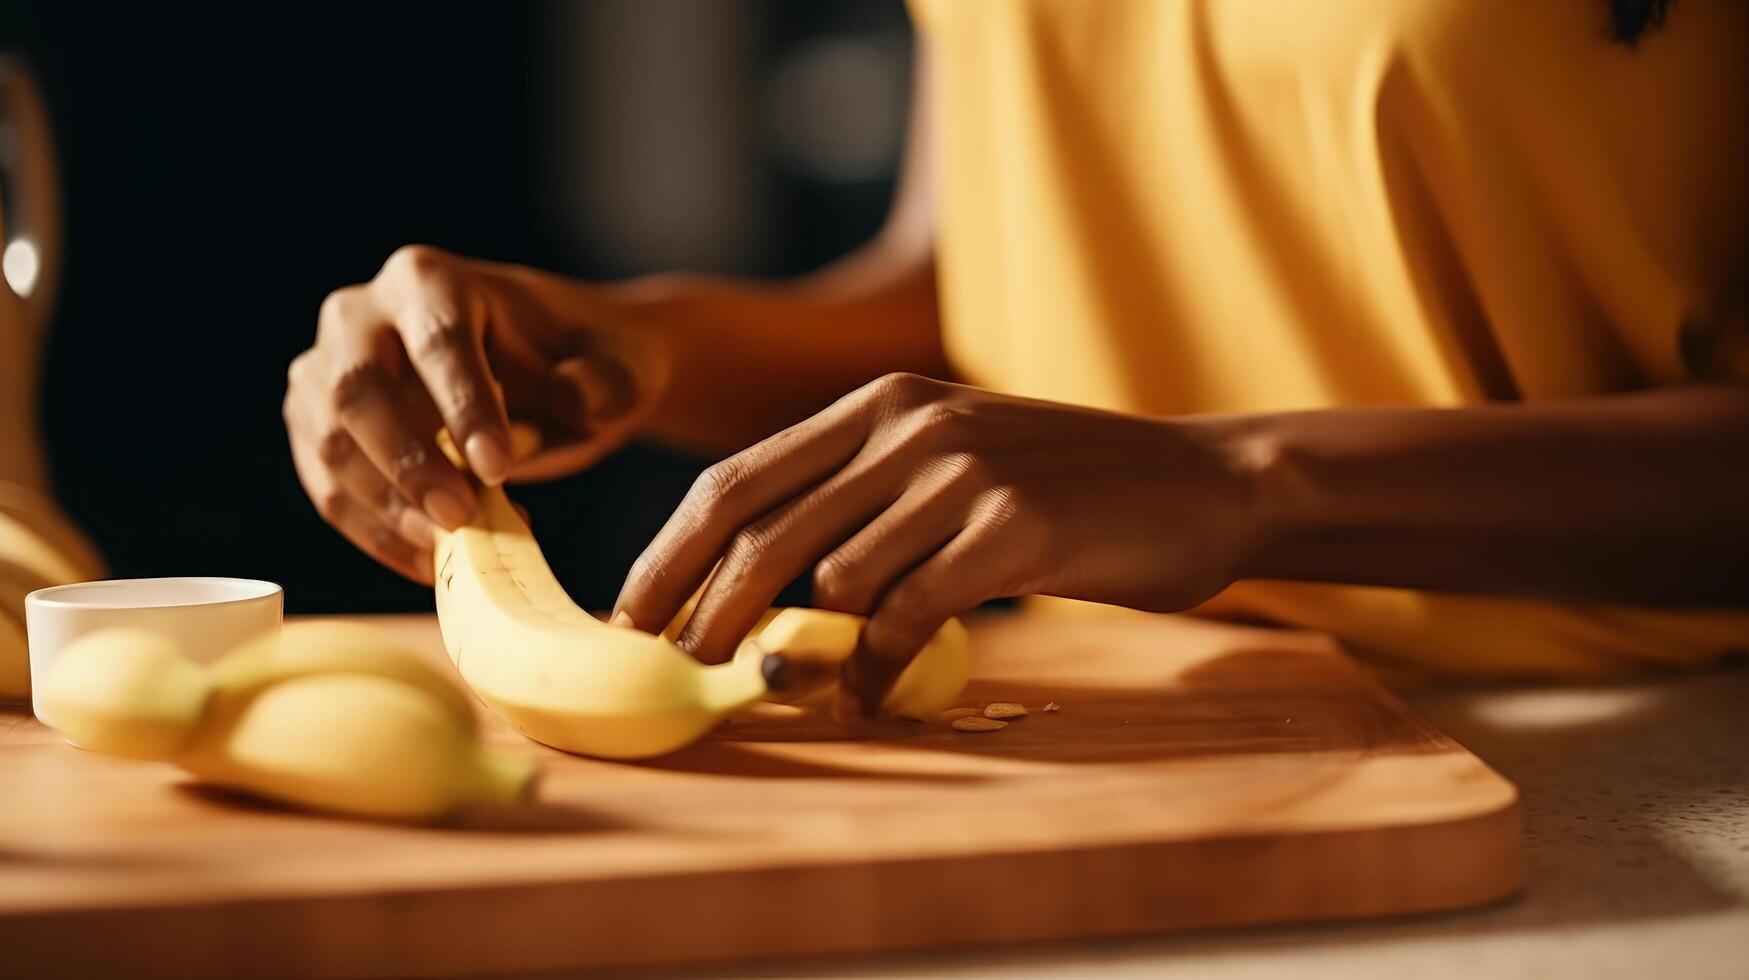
{"x": 226, "y": 165}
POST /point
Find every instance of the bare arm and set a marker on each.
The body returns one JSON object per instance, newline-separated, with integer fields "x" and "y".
{"x": 707, "y": 363}
{"x": 913, "y": 500}
{"x": 1638, "y": 498}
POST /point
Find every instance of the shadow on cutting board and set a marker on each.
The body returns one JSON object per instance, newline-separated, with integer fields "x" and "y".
{"x": 536, "y": 817}
{"x": 1256, "y": 701}
{"x": 1636, "y": 802}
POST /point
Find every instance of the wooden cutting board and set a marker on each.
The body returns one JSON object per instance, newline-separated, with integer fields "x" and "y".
{"x": 1196, "y": 776}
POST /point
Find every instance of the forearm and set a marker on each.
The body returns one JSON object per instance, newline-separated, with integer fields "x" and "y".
{"x": 1638, "y": 498}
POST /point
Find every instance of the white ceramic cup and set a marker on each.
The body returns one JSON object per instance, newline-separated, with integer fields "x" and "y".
{"x": 206, "y": 617}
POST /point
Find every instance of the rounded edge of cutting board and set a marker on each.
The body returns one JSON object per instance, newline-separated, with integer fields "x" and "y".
{"x": 831, "y": 908}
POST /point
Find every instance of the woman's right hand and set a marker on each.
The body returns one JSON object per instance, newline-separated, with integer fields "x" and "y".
{"x": 441, "y": 341}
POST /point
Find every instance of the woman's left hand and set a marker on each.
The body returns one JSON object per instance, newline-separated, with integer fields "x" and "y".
{"x": 915, "y": 500}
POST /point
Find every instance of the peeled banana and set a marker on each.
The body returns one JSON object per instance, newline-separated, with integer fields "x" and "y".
{"x": 813, "y": 643}
{"x": 355, "y": 743}
{"x": 126, "y": 692}
{"x": 325, "y": 715}
{"x": 566, "y": 679}
{"x": 556, "y": 673}
{"x": 327, "y": 647}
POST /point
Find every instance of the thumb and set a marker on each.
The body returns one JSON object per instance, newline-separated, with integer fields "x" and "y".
{"x": 591, "y": 391}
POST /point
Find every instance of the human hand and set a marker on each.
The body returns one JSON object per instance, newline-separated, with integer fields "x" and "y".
{"x": 441, "y": 341}
{"x": 915, "y": 500}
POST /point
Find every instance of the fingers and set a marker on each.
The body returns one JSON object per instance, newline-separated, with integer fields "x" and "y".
{"x": 598, "y": 389}
{"x": 588, "y": 411}
{"x": 362, "y": 524}
{"x": 445, "y": 343}
{"x": 957, "y": 578}
{"x": 348, "y": 490}
{"x": 316, "y": 430}
{"x": 764, "y": 556}
{"x": 366, "y": 397}
{"x": 361, "y": 481}
{"x": 858, "y": 573}
{"x": 726, "y": 498}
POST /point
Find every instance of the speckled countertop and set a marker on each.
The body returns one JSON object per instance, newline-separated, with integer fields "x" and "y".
{"x": 1636, "y": 844}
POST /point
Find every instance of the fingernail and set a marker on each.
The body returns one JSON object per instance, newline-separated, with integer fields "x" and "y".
{"x": 621, "y": 618}
{"x": 446, "y": 508}
{"x": 489, "y": 457}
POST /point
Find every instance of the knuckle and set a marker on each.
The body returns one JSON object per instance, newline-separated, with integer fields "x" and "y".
{"x": 902, "y": 624}
{"x": 900, "y": 390}
{"x": 644, "y": 575}
{"x": 903, "y": 383}
{"x": 355, "y": 382}
{"x": 1000, "y": 506}
{"x": 409, "y": 462}
{"x": 746, "y": 551}
{"x": 466, "y": 407}
{"x": 1005, "y": 513}
{"x": 719, "y": 482}
{"x": 331, "y": 504}
{"x": 334, "y": 447}
{"x": 941, "y": 417}
{"x": 334, "y": 314}
{"x": 942, "y": 423}
{"x": 429, "y": 334}
{"x": 837, "y": 586}
{"x": 298, "y": 371}
{"x": 963, "y": 469}
{"x": 412, "y": 260}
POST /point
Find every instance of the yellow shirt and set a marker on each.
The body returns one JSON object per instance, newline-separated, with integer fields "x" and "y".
{"x": 1170, "y": 207}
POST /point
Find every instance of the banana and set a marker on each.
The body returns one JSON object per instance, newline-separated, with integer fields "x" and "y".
{"x": 328, "y": 647}
{"x": 126, "y": 692}
{"x": 568, "y": 680}
{"x": 556, "y": 673}
{"x": 354, "y": 743}
{"x": 813, "y": 644}
{"x": 326, "y": 715}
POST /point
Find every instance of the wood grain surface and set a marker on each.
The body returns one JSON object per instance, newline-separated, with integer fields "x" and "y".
{"x": 1196, "y": 776}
